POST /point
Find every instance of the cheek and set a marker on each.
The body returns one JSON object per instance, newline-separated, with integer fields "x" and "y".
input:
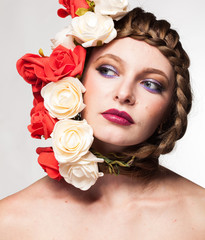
{"x": 89, "y": 84}
{"x": 93, "y": 95}
{"x": 97, "y": 88}
{"x": 156, "y": 112}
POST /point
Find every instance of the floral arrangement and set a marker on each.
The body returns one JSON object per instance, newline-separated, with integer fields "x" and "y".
{"x": 58, "y": 92}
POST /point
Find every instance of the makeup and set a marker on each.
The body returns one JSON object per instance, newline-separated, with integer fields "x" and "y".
{"x": 108, "y": 71}
{"x": 118, "y": 117}
{"x": 152, "y": 85}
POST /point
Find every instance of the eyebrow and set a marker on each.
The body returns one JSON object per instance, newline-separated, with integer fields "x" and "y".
{"x": 108, "y": 55}
{"x": 157, "y": 71}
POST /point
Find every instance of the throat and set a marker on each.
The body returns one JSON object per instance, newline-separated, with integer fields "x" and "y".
{"x": 114, "y": 191}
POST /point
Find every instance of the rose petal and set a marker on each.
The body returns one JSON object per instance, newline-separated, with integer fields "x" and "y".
{"x": 48, "y": 162}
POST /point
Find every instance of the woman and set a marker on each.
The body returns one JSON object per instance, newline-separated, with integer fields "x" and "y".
{"x": 137, "y": 106}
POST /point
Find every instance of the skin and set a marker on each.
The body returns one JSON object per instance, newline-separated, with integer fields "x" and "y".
{"x": 116, "y": 208}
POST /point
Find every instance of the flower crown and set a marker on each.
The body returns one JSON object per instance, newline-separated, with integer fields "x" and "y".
{"x": 58, "y": 92}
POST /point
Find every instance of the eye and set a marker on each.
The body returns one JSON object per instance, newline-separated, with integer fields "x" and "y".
{"x": 107, "y": 71}
{"x": 152, "y": 85}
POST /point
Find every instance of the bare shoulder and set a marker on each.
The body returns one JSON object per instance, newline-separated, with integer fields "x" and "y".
{"x": 194, "y": 196}
{"x": 25, "y": 211}
{"x": 182, "y": 203}
{"x": 191, "y": 206}
{"x": 13, "y": 211}
{"x": 195, "y": 207}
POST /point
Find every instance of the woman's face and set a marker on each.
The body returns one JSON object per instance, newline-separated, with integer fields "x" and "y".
{"x": 129, "y": 86}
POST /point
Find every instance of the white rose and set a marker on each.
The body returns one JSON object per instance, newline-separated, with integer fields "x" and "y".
{"x": 71, "y": 140}
{"x": 91, "y": 28}
{"x": 113, "y": 8}
{"x": 63, "y": 38}
{"x": 82, "y": 176}
{"x": 63, "y": 99}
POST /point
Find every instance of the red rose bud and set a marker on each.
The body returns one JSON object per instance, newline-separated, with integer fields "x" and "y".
{"x": 48, "y": 162}
{"x": 42, "y": 123}
{"x": 71, "y": 7}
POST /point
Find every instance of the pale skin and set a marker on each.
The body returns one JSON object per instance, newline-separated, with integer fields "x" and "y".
{"x": 117, "y": 207}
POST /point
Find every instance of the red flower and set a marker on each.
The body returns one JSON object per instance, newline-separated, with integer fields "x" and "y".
{"x": 48, "y": 162}
{"x": 30, "y": 67}
{"x": 39, "y": 84}
{"x": 71, "y": 7}
{"x": 42, "y": 123}
{"x": 64, "y": 62}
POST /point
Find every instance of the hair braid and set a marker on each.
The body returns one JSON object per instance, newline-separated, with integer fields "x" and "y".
{"x": 143, "y": 26}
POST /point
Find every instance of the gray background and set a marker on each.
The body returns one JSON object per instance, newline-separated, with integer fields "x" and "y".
{"x": 28, "y": 25}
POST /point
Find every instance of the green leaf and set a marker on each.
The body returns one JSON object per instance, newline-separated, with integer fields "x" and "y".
{"x": 81, "y": 11}
{"x": 40, "y": 51}
{"x": 76, "y": 43}
{"x": 79, "y": 76}
{"x": 99, "y": 43}
{"x": 91, "y": 4}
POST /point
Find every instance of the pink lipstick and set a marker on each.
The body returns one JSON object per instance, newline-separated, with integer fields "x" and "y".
{"x": 119, "y": 117}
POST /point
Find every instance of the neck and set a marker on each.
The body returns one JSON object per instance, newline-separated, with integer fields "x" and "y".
{"x": 113, "y": 188}
{"x": 113, "y": 191}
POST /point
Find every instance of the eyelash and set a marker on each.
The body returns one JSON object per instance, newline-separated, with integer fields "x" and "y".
{"x": 104, "y": 69}
{"x": 158, "y": 88}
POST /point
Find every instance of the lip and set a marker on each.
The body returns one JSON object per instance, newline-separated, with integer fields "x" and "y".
{"x": 119, "y": 117}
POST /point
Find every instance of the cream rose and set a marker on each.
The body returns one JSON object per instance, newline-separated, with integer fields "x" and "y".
{"x": 113, "y": 8}
{"x": 63, "y": 99}
{"x": 91, "y": 29}
{"x": 63, "y": 38}
{"x": 71, "y": 140}
{"x": 82, "y": 176}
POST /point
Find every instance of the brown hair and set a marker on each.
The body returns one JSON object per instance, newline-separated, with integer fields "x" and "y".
{"x": 143, "y": 26}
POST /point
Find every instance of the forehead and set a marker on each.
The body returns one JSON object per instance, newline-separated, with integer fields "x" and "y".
{"x": 135, "y": 53}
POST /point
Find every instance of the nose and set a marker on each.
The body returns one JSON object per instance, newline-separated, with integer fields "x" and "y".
{"x": 125, "y": 94}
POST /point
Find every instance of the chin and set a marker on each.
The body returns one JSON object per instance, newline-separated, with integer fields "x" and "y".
{"x": 107, "y": 145}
